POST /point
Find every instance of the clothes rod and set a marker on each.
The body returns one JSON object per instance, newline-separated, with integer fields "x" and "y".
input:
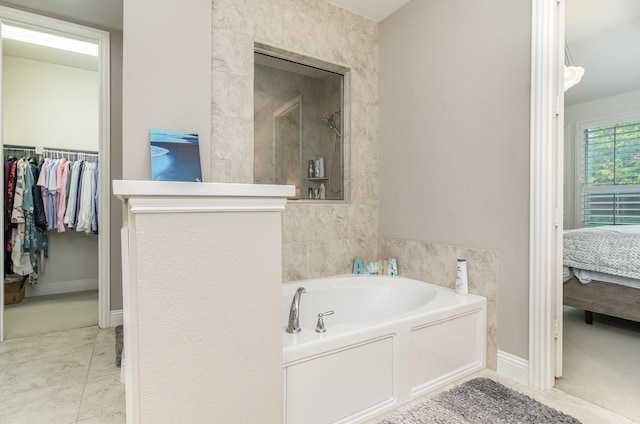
{"x": 41, "y": 150}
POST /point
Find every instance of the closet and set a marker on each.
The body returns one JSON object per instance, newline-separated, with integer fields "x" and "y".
{"x": 55, "y": 140}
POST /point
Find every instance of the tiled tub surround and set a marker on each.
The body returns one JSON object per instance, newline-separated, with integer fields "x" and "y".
{"x": 436, "y": 263}
{"x": 319, "y": 239}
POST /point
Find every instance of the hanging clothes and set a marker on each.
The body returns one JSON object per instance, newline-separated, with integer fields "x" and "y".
{"x": 94, "y": 200}
{"x": 85, "y": 199}
{"x": 71, "y": 210}
{"x": 61, "y": 194}
{"x": 8, "y": 209}
{"x": 52, "y": 188}
{"x": 42, "y": 183}
{"x": 54, "y": 194}
{"x": 35, "y": 235}
{"x": 39, "y": 213}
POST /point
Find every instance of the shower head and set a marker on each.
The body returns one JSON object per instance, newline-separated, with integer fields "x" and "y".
{"x": 327, "y": 121}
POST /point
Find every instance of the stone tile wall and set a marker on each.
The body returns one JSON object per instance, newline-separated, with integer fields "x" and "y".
{"x": 436, "y": 263}
{"x": 319, "y": 239}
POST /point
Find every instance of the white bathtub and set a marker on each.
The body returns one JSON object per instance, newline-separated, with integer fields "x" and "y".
{"x": 390, "y": 339}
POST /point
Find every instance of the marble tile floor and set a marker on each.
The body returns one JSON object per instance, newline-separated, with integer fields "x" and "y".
{"x": 64, "y": 377}
{"x": 70, "y": 377}
{"x": 585, "y": 412}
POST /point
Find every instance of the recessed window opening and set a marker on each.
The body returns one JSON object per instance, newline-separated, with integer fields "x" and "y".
{"x": 299, "y": 122}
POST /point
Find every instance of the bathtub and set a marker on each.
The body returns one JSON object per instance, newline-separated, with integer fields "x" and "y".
{"x": 389, "y": 340}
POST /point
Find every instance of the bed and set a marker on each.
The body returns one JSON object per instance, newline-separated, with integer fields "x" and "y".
{"x": 602, "y": 271}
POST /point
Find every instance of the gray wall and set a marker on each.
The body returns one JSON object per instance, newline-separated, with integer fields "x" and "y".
{"x": 116, "y": 167}
{"x": 167, "y": 77}
{"x": 454, "y": 138}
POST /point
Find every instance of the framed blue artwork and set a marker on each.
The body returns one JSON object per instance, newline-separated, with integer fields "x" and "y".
{"x": 175, "y": 156}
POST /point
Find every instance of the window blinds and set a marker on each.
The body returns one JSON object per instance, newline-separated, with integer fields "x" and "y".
{"x": 611, "y": 174}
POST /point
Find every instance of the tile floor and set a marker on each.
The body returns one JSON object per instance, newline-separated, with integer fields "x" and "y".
{"x": 66, "y": 377}
{"x": 70, "y": 377}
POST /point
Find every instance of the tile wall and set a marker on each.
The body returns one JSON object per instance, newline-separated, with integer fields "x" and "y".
{"x": 436, "y": 263}
{"x": 318, "y": 238}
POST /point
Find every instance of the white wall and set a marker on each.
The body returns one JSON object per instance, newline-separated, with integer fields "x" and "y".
{"x": 72, "y": 264}
{"x": 49, "y": 105}
{"x": 207, "y": 335}
{"x": 166, "y": 78}
{"x": 582, "y": 112}
{"x": 454, "y": 138}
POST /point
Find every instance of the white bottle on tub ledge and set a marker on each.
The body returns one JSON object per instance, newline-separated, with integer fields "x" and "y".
{"x": 462, "y": 284}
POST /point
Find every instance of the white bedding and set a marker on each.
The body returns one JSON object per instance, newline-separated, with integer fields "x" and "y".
{"x": 609, "y": 253}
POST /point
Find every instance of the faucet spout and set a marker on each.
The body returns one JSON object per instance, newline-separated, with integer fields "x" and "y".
{"x": 294, "y": 312}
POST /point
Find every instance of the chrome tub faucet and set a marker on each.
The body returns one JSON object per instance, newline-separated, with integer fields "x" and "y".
{"x": 294, "y": 312}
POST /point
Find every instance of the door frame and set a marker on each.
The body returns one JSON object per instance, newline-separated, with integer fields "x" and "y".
{"x": 546, "y": 185}
{"x": 9, "y": 15}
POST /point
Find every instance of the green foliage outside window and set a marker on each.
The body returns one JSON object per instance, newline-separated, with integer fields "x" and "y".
{"x": 612, "y": 155}
{"x": 611, "y": 170}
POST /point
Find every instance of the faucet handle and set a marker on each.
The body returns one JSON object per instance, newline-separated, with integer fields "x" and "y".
{"x": 320, "y": 325}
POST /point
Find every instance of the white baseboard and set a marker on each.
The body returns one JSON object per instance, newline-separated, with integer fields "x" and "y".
{"x": 513, "y": 367}
{"x": 58, "y": 287}
{"x": 115, "y": 318}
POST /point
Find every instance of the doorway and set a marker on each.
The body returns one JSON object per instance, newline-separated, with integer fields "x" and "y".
{"x": 56, "y": 109}
{"x": 547, "y": 117}
{"x": 601, "y": 38}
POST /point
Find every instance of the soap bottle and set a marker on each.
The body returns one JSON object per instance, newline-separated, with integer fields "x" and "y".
{"x": 322, "y": 192}
{"x": 462, "y": 284}
{"x": 312, "y": 169}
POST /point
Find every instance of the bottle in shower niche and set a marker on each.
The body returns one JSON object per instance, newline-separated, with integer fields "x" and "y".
{"x": 312, "y": 169}
{"x": 462, "y": 284}
{"x": 320, "y": 170}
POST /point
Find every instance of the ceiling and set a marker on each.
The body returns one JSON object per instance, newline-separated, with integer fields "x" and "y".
{"x": 376, "y": 10}
{"x": 49, "y": 55}
{"x": 601, "y": 34}
{"x": 104, "y": 14}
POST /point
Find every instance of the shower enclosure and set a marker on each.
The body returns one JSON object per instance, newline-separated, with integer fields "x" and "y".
{"x": 298, "y": 128}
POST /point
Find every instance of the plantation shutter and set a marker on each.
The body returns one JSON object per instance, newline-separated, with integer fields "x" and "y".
{"x": 611, "y": 178}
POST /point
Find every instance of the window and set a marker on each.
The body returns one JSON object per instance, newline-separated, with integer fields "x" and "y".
{"x": 611, "y": 174}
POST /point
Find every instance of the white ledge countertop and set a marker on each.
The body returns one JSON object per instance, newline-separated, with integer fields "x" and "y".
{"x": 125, "y": 189}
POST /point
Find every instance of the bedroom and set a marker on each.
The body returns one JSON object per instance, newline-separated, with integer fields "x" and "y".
{"x": 602, "y": 114}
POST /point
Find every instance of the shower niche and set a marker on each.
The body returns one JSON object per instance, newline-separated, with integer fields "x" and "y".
{"x": 298, "y": 127}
